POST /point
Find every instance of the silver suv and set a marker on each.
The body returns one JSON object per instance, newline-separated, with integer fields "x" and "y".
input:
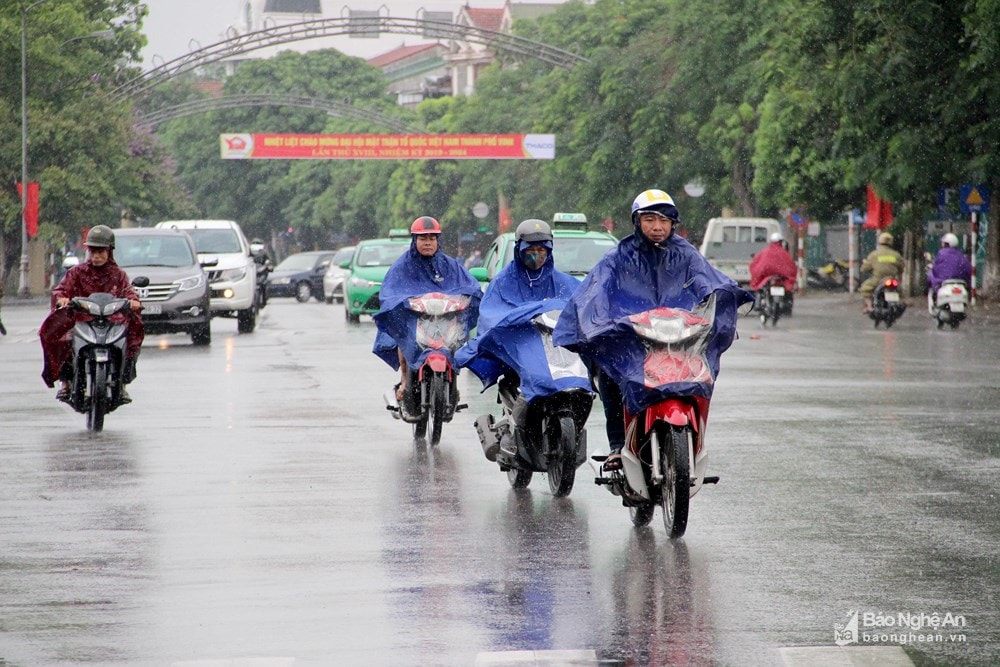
{"x": 176, "y": 299}
{"x": 233, "y": 280}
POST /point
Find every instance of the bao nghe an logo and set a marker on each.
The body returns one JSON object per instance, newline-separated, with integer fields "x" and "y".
{"x": 846, "y": 633}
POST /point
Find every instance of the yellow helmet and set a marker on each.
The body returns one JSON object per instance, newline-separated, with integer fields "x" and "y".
{"x": 885, "y": 238}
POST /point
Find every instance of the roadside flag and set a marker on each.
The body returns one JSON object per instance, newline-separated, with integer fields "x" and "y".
{"x": 30, "y": 208}
{"x": 879, "y": 214}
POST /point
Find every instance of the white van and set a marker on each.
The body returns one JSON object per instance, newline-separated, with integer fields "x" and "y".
{"x": 233, "y": 281}
{"x": 730, "y": 243}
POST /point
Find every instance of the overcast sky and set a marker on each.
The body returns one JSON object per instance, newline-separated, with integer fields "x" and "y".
{"x": 172, "y": 24}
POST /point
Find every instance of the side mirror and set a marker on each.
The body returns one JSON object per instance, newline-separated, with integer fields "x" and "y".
{"x": 140, "y": 281}
{"x": 480, "y": 273}
{"x": 209, "y": 261}
{"x": 345, "y": 265}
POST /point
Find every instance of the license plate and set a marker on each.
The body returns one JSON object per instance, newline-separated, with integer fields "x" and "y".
{"x": 777, "y": 291}
{"x": 892, "y": 297}
{"x": 957, "y": 307}
{"x": 152, "y": 309}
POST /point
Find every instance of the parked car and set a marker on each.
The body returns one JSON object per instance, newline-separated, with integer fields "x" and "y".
{"x": 300, "y": 275}
{"x": 177, "y": 297}
{"x": 575, "y": 249}
{"x": 368, "y": 266}
{"x": 233, "y": 279}
{"x": 336, "y": 275}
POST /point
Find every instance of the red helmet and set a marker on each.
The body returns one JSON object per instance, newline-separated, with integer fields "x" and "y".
{"x": 425, "y": 224}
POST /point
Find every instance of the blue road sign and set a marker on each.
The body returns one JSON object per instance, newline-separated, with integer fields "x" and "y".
{"x": 973, "y": 198}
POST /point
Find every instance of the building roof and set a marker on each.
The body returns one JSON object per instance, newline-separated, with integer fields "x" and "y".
{"x": 487, "y": 19}
{"x": 293, "y": 7}
{"x": 400, "y": 53}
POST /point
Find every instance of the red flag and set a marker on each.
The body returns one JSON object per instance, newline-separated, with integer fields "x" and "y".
{"x": 879, "y": 214}
{"x": 30, "y": 208}
{"x": 504, "y": 223}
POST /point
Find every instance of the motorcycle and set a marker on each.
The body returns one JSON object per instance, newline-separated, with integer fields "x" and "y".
{"x": 664, "y": 459}
{"x": 431, "y": 398}
{"x": 554, "y": 388}
{"x": 771, "y": 298}
{"x": 951, "y": 305}
{"x": 98, "y": 345}
{"x": 887, "y": 304}
{"x": 831, "y": 276}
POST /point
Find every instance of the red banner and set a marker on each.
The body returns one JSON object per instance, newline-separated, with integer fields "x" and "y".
{"x": 387, "y": 146}
{"x": 30, "y": 208}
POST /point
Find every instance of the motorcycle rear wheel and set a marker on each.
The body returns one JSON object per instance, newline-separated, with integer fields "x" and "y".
{"x": 562, "y": 468}
{"x": 519, "y": 479}
{"x": 98, "y": 397}
{"x": 675, "y": 494}
{"x": 641, "y": 514}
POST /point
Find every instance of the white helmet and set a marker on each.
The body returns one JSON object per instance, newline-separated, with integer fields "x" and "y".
{"x": 776, "y": 237}
{"x": 949, "y": 240}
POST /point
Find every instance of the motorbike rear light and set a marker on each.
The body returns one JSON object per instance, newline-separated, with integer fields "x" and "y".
{"x": 891, "y": 282}
{"x": 956, "y": 290}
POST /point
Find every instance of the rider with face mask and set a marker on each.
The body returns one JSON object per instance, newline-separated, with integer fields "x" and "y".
{"x": 529, "y": 279}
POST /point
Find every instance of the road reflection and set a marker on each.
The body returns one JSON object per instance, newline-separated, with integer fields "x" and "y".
{"x": 662, "y": 614}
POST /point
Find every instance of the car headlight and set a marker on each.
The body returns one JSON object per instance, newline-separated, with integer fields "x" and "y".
{"x": 233, "y": 275}
{"x": 280, "y": 281}
{"x": 194, "y": 282}
{"x": 361, "y": 282}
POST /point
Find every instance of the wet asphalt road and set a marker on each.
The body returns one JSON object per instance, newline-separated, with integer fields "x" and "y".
{"x": 257, "y": 501}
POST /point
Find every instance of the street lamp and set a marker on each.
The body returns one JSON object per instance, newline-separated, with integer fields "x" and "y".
{"x": 23, "y": 289}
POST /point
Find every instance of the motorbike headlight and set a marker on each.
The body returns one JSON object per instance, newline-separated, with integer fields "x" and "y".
{"x": 361, "y": 282}
{"x": 233, "y": 275}
{"x": 194, "y": 282}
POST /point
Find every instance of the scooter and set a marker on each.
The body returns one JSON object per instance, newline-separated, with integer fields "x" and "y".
{"x": 555, "y": 403}
{"x": 771, "y": 300}
{"x": 664, "y": 459}
{"x": 831, "y": 276}
{"x": 431, "y": 398}
{"x": 99, "y": 355}
{"x": 887, "y": 304}
{"x": 952, "y": 303}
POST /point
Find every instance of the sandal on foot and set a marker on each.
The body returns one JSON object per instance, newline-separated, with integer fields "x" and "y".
{"x": 400, "y": 391}
{"x": 63, "y": 393}
{"x": 613, "y": 462}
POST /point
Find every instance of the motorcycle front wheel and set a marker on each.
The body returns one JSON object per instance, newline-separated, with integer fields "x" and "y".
{"x": 675, "y": 494}
{"x": 560, "y": 446}
{"x": 439, "y": 393}
{"x": 519, "y": 479}
{"x": 98, "y": 391}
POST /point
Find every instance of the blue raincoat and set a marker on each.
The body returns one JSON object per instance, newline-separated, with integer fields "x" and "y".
{"x": 507, "y": 339}
{"x": 412, "y": 275}
{"x": 639, "y": 276}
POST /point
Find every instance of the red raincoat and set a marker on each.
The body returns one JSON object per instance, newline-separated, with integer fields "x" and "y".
{"x": 83, "y": 280}
{"x": 773, "y": 260}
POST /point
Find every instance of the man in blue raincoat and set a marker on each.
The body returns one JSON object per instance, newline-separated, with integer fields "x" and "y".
{"x": 421, "y": 269}
{"x": 526, "y": 287}
{"x": 650, "y": 268}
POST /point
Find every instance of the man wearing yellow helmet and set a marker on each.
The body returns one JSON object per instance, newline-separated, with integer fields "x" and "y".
{"x": 882, "y": 262}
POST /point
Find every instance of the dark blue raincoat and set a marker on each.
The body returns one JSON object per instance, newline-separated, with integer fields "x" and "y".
{"x": 506, "y": 337}
{"x": 412, "y": 275}
{"x": 639, "y": 276}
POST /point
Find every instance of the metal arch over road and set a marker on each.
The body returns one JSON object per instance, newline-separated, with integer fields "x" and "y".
{"x": 294, "y": 32}
{"x": 267, "y": 99}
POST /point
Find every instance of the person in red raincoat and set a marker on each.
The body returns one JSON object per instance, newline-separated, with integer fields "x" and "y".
{"x": 99, "y": 273}
{"x": 773, "y": 260}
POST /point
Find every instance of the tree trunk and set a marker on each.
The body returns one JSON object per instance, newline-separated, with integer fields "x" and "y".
{"x": 991, "y": 267}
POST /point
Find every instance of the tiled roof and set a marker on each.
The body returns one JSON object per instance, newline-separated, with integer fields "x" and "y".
{"x": 488, "y": 19}
{"x": 400, "y": 53}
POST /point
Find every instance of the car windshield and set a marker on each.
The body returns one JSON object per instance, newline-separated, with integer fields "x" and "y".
{"x": 299, "y": 262}
{"x": 153, "y": 251}
{"x": 575, "y": 255}
{"x": 381, "y": 254}
{"x": 343, "y": 255}
{"x": 215, "y": 240}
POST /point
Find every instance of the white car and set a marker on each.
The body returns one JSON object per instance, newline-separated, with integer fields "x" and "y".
{"x": 233, "y": 280}
{"x": 333, "y": 280}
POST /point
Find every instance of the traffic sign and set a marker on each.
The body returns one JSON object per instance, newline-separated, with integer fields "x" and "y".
{"x": 973, "y": 198}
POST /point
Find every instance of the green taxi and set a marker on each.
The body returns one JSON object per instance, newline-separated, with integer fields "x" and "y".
{"x": 575, "y": 248}
{"x": 368, "y": 266}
